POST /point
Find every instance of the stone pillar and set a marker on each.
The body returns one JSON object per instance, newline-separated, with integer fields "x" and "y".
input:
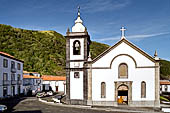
{"x": 67, "y": 86}
{"x": 89, "y": 73}
{"x": 157, "y": 84}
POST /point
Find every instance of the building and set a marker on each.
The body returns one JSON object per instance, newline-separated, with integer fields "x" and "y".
{"x": 11, "y": 72}
{"x": 31, "y": 73}
{"x": 32, "y": 82}
{"x": 164, "y": 87}
{"x": 122, "y": 74}
{"x": 54, "y": 83}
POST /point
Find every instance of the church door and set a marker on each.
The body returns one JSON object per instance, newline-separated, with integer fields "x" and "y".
{"x": 122, "y": 95}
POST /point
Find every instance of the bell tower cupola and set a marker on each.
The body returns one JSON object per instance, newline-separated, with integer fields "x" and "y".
{"x": 77, "y": 41}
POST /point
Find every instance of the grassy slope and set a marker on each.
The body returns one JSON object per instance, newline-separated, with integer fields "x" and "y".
{"x": 41, "y": 51}
{"x": 165, "y": 69}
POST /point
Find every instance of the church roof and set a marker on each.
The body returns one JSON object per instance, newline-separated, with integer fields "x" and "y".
{"x": 128, "y": 43}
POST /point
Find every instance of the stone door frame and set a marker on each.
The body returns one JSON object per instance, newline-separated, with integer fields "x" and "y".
{"x": 126, "y": 83}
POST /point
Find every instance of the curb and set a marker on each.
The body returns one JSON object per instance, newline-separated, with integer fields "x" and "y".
{"x": 98, "y": 109}
{"x": 64, "y": 105}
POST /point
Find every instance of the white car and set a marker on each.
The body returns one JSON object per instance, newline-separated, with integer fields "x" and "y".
{"x": 3, "y": 108}
{"x": 50, "y": 93}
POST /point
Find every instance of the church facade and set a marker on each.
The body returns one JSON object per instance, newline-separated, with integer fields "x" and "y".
{"x": 121, "y": 75}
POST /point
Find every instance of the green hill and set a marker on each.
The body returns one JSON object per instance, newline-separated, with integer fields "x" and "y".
{"x": 165, "y": 69}
{"x": 44, "y": 51}
{"x": 41, "y": 51}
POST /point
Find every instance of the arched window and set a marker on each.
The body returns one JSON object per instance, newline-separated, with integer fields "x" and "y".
{"x": 103, "y": 90}
{"x": 76, "y": 47}
{"x": 143, "y": 89}
{"x": 123, "y": 70}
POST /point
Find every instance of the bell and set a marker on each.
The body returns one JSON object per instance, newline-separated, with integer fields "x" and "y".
{"x": 77, "y": 46}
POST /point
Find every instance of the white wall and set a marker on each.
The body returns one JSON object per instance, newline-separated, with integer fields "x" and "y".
{"x": 136, "y": 75}
{"x": 53, "y": 84}
{"x": 76, "y": 86}
{"x": 163, "y": 88}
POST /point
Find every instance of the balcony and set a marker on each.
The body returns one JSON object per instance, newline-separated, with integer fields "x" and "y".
{"x": 19, "y": 82}
{"x": 6, "y": 82}
{"x": 13, "y": 70}
{"x": 13, "y": 82}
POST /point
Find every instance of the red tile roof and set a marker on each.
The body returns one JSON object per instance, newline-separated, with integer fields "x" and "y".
{"x": 53, "y": 78}
{"x": 164, "y": 82}
{"x": 29, "y": 72}
{"x": 6, "y": 54}
{"x": 9, "y": 56}
{"x": 30, "y": 76}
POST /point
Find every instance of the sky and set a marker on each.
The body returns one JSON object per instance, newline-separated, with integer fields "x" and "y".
{"x": 147, "y": 22}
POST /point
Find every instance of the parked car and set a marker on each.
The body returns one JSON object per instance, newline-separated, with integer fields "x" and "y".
{"x": 57, "y": 98}
{"x": 3, "y": 108}
{"x": 50, "y": 93}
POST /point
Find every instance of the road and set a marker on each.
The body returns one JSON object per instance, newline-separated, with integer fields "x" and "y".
{"x": 32, "y": 105}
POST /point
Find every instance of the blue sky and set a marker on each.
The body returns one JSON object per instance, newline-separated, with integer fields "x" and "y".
{"x": 147, "y": 21}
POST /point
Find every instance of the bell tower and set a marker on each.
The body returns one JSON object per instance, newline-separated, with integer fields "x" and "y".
{"x": 77, "y": 52}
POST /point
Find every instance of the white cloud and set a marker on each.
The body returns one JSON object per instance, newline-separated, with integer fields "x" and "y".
{"x": 92, "y": 6}
{"x": 134, "y": 36}
{"x": 146, "y": 36}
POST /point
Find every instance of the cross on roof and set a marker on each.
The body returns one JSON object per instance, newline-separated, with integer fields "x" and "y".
{"x": 78, "y": 10}
{"x": 123, "y": 31}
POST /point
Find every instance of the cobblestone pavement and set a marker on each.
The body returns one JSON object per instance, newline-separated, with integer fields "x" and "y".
{"x": 32, "y": 105}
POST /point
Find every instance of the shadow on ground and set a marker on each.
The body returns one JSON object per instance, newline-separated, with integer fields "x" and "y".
{"x": 11, "y": 102}
{"x": 35, "y": 111}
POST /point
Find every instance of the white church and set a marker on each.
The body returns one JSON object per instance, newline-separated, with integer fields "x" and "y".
{"x": 121, "y": 75}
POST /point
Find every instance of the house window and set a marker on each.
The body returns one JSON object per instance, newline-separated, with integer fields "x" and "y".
{"x": 12, "y": 64}
{"x": 103, "y": 90}
{"x": 5, "y": 76}
{"x": 5, "y": 91}
{"x": 5, "y": 63}
{"x": 143, "y": 89}
{"x": 123, "y": 70}
{"x": 12, "y": 76}
{"x": 166, "y": 88}
{"x": 19, "y": 89}
{"x": 19, "y": 66}
{"x": 76, "y": 75}
{"x": 18, "y": 77}
{"x": 76, "y": 47}
{"x": 160, "y": 87}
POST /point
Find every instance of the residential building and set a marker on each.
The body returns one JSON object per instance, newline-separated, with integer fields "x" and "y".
{"x": 11, "y": 72}
{"x": 164, "y": 87}
{"x": 122, "y": 75}
{"x": 54, "y": 83}
{"x": 32, "y": 84}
